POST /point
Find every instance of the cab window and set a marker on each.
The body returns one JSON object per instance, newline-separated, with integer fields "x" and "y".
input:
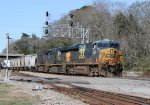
{"x": 105, "y": 45}
{"x": 100, "y": 45}
{"x": 114, "y": 45}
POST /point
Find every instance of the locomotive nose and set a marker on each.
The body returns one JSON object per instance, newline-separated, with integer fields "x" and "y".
{"x": 112, "y": 59}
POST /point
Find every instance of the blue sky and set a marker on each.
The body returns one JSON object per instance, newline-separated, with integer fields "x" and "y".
{"x": 28, "y": 16}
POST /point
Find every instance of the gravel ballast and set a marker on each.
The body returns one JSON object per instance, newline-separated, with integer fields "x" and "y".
{"x": 133, "y": 87}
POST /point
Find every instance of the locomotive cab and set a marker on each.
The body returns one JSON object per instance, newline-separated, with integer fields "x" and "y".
{"x": 103, "y": 44}
{"x": 110, "y": 56}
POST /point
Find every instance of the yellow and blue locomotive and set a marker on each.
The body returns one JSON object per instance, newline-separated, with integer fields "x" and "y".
{"x": 100, "y": 58}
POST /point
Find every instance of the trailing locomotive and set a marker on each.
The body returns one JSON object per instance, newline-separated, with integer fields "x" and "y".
{"x": 100, "y": 58}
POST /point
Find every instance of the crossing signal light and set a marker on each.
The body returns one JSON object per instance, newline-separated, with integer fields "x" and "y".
{"x": 47, "y": 13}
{"x": 46, "y": 22}
{"x": 71, "y": 15}
{"x": 70, "y": 20}
{"x": 70, "y": 23}
{"x": 46, "y": 31}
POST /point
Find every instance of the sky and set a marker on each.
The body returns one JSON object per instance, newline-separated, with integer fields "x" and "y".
{"x": 28, "y": 16}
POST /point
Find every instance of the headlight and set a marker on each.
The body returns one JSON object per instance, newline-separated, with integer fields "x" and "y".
{"x": 111, "y": 50}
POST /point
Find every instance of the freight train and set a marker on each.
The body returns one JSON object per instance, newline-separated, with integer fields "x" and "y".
{"x": 99, "y": 58}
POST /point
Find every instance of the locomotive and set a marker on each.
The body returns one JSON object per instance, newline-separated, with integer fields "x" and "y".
{"x": 99, "y": 58}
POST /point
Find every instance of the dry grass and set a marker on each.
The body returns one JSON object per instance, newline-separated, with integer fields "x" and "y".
{"x": 8, "y": 97}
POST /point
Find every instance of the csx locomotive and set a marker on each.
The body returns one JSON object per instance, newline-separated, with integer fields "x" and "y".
{"x": 99, "y": 58}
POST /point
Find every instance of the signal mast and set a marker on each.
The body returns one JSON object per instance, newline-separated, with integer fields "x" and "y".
{"x": 68, "y": 30}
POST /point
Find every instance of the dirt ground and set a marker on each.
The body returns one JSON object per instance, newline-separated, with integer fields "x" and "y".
{"x": 34, "y": 94}
{"x": 128, "y": 86}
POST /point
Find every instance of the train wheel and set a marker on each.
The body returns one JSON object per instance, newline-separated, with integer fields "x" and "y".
{"x": 96, "y": 73}
{"x": 119, "y": 74}
{"x": 71, "y": 70}
{"x": 110, "y": 74}
{"x": 67, "y": 70}
{"x": 91, "y": 72}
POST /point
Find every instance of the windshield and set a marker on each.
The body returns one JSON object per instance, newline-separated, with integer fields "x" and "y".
{"x": 107, "y": 45}
{"x": 104, "y": 45}
{"x": 114, "y": 45}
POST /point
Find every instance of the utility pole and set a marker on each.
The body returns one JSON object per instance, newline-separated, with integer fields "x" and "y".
{"x": 7, "y": 48}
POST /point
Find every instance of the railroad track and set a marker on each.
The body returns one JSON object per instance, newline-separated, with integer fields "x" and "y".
{"x": 96, "y": 97}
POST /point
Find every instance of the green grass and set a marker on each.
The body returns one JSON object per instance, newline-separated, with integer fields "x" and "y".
{"x": 15, "y": 102}
{"x": 9, "y": 98}
{"x": 3, "y": 90}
